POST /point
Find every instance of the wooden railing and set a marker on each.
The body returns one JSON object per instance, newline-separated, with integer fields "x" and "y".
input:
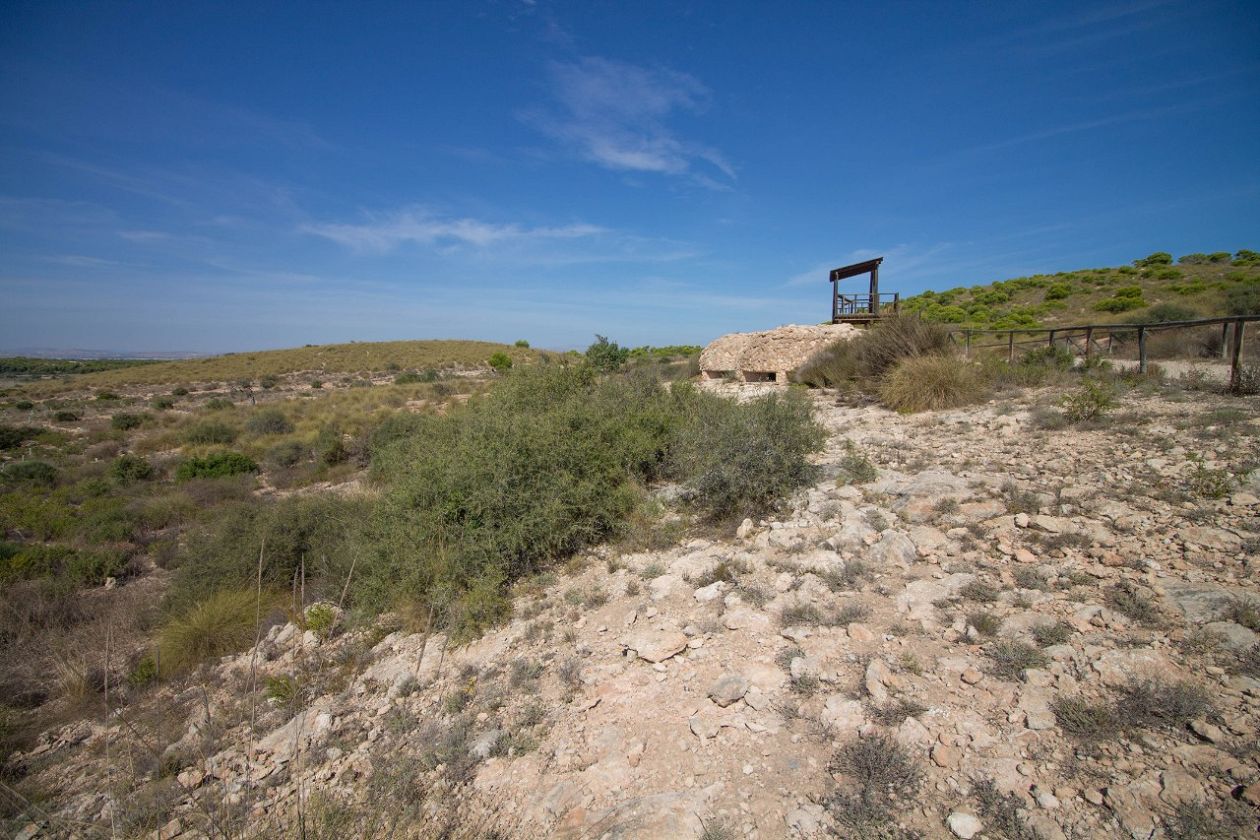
{"x": 860, "y": 306}
{"x": 1092, "y": 336}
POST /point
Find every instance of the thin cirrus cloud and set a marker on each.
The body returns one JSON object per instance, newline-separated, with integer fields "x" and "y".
{"x": 415, "y": 226}
{"x": 616, "y": 115}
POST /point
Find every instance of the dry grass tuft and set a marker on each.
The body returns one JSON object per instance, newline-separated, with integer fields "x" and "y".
{"x": 928, "y": 383}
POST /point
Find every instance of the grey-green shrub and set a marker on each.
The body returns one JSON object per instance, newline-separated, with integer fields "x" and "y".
{"x": 127, "y": 469}
{"x": 741, "y": 459}
{"x": 268, "y": 421}
{"x": 210, "y": 432}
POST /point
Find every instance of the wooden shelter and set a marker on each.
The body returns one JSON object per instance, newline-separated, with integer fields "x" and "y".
{"x": 859, "y": 308}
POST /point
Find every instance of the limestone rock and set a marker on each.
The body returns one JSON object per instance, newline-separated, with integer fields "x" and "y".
{"x": 730, "y": 688}
{"x": 656, "y": 645}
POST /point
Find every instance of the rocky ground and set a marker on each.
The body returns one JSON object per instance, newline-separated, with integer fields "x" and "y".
{"x": 978, "y": 623}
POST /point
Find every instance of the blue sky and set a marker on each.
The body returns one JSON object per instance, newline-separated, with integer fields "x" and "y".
{"x": 211, "y": 177}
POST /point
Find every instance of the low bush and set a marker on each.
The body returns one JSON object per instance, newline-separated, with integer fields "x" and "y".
{"x": 210, "y": 432}
{"x": 162, "y": 403}
{"x": 1090, "y": 402}
{"x": 605, "y": 355}
{"x": 742, "y": 459}
{"x": 126, "y": 422}
{"x": 216, "y": 465}
{"x": 65, "y": 417}
{"x": 923, "y": 383}
{"x": 11, "y": 437}
{"x": 29, "y": 472}
{"x": 500, "y": 361}
{"x": 309, "y": 539}
{"x": 78, "y": 567}
{"x": 330, "y": 447}
{"x": 268, "y": 421}
{"x": 1243, "y": 300}
{"x": 127, "y": 469}
{"x": 224, "y": 623}
{"x": 1012, "y": 659}
{"x": 288, "y": 453}
{"x": 1164, "y": 312}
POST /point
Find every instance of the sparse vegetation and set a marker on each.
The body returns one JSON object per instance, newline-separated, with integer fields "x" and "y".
{"x": 1011, "y": 659}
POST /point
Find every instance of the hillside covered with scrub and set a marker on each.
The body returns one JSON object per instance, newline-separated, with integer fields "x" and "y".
{"x": 1154, "y": 288}
{"x": 590, "y": 597}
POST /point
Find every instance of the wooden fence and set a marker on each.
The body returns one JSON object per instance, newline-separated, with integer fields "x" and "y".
{"x": 1090, "y": 338}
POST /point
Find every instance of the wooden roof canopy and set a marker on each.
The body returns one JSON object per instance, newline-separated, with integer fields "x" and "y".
{"x": 847, "y": 271}
{"x": 859, "y": 308}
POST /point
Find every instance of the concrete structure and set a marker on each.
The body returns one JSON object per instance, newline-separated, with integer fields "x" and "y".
{"x": 769, "y": 356}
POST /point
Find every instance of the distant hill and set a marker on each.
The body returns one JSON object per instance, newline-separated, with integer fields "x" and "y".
{"x": 1154, "y": 288}
{"x": 322, "y": 359}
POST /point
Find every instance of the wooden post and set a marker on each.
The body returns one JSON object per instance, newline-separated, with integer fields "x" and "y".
{"x": 1142, "y": 349}
{"x": 835, "y": 300}
{"x": 875, "y": 290}
{"x": 1052, "y": 337}
{"x": 1235, "y": 358}
{"x": 967, "y": 350}
{"x": 1224, "y": 339}
{"x": 1010, "y": 348}
{"x": 1089, "y": 340}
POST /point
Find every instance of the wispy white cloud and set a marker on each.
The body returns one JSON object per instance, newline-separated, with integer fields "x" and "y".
{"x": 615, "y": 114}
{"x": 422, "y": 227}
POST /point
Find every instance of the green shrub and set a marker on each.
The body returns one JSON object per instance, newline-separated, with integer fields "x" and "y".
{"x": 127, "y": 469}
{"x": 407, "y": 378}
{"x": 1247, "y": 257}
{"x": 29, "y": 472}
{"x": 1164, "y": 312}
{"x": 330, "y": 447}
{"x": 1119, "y": 304}
{"x": 306, "y": 537}
{"x": 1157, "y": 258}
{"x": 500, "y": 361}
{"x": 288, "y": 453}
{"x": 741, "y": 459}
{"x": 1243, "y": 300}
{"x": 925, "y": 383}
{"x": 224, "y": 623}
{"x": 833, "y": 366}
{"x": 268, "y": 421}
{"x": 606, "y": 355}
{"x": 547, "y": 462}
{"x": 126, "y": 422}
{"x": 216, "y": 465}
{"x": 11, "y": 437}
{"x": 179, "y": 392}
{"x": 219, "y": 404}
{"x": 1059, "y": 291}
{"x": 320, "y": 619}
{"x": 107, "y": 396}
{"x": 1090, "y": 402}
{"x": 210, "y": 432}
{"x": 24, "y": 405}
{"x": 162, "y": 403}
{"x": 66, "y": 417}
{"x": 88, "y": 567}
{"x": 520, "y": 342}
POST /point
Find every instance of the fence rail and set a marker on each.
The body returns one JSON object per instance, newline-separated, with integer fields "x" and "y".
{"x": 1091, "y": 333}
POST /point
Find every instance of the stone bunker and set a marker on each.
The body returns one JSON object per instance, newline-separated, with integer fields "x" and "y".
{"x": 769, "y": 356}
